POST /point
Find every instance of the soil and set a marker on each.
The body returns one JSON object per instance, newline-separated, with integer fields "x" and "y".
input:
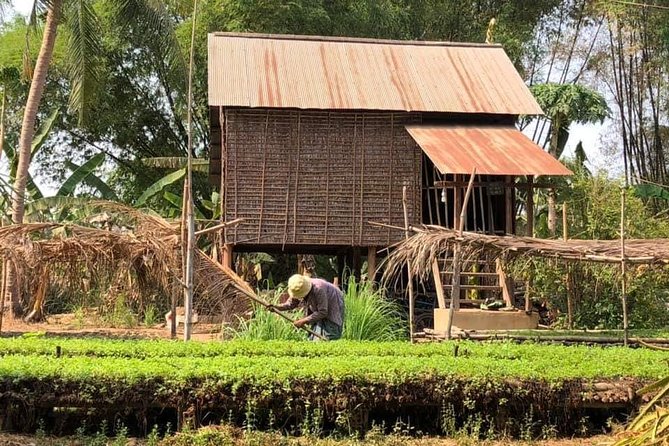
{"x": 68, "y": 324}
{"x": 31, "y": 440}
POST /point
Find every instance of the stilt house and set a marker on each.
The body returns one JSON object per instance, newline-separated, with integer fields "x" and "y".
{"x": 314, "y": 137}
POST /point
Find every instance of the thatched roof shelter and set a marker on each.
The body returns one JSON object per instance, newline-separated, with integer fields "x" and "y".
{"x": 134, "y": 250}
{"x": 430, "y": 243}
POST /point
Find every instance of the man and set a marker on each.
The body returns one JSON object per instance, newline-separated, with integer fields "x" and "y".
{"x": 323, "y": 305}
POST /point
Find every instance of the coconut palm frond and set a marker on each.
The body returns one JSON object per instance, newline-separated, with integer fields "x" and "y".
{"x": 83, "y": 48}
{"x": 176, "y": 162}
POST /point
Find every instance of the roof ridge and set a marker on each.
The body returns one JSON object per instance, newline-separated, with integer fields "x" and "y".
{"x": 343, "y": 39}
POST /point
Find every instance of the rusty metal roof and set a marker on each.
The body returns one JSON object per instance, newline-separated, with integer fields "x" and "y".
{"x": 255, "y": 70}
{"x": 493, "y": 150}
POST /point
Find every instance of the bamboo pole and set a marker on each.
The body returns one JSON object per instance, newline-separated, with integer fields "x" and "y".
{"x": 455, "y": 278}
{"x": 188, "y": 210}
{"x": 570, "y": 302}
{"x": 623, "y": 267}
{"x": 410, "y": 284}
{"x": 217, "y": 227}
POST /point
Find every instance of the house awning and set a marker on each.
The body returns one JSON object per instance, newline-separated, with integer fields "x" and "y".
{"x": 493, "y": 150}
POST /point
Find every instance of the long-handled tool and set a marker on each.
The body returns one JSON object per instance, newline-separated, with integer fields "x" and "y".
{"x": 271, "y": 308}
{"x": 241, "y": 286}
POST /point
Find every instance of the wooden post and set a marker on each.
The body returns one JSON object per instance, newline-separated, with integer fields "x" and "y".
{"x": 455, "y": 278}
{"x": 623, "y": 266}
{"x": 505, "y": 283}
{"x": 530, "y": 206}
{"x": 410, "y": 284}
{"x": 227, "y": 255}
{"x": 508, "y": 202}
{"x": 341, "y": 265}
{"x": 570, "y": 301}
{"x": 457, "y": 204}
{"x": 438, "y": 285}
{"x": 371, "y": 263}
{"x": 530, "y": 233}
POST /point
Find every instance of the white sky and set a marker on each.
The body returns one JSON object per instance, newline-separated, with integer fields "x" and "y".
{"x": 23, "y": 7}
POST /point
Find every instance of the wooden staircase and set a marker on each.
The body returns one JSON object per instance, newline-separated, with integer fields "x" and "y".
{"x": 479, "y": 279}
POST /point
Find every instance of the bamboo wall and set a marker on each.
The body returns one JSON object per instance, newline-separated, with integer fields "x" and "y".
{"x": 317, "y": 177}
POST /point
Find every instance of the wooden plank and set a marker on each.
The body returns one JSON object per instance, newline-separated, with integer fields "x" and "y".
{"x": 438, "y": 285}
{"x": 470, "y": 273}
{"x": 477, "y": 287}
{"x": 505, "y": 283}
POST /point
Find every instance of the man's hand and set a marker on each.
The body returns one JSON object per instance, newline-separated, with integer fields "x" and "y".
{"x": 300, "y": 323}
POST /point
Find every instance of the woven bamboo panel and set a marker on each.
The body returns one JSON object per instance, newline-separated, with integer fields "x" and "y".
{"x": 317, "y": 177}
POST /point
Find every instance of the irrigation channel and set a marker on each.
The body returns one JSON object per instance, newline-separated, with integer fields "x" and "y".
{"x": 60, "y": 384}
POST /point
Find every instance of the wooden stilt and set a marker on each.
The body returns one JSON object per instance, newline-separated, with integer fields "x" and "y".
{"x": 371, "y": 263}
{"x": 227, "y": 255}
{"x": 457, "y": 203}
{"x": 341, "y": 265}
{"x": 508, "y": 202}
{"x": 530, "y": 207}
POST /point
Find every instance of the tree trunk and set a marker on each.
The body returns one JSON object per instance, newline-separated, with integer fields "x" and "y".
{"x": 28, "y": 130}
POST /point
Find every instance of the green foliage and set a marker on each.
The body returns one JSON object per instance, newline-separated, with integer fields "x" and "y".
{"x": 567, "y": 103}
{"x": 265, "y": 326}
{"x": 593, "y": 203}
{"x": 276, "y": 361}
{"x": 369, "y": 315}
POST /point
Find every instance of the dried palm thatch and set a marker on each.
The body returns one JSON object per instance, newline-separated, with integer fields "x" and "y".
{"x": 133, "y": 245}
{"x": 431, "y": 243}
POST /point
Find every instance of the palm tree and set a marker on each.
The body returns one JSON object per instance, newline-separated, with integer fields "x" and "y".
{"x": 83, "y": 48}
{"x": 563, "y": 105}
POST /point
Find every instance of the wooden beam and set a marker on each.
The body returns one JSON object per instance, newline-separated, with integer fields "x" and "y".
{"x": 412, "y": 324}
{"x": 463, "y": 184}
{"x": 508, "y": 202}
{"x": 530, "y": 207}
{"x": 505, "y": 282}
{"x": 438, "y": 284}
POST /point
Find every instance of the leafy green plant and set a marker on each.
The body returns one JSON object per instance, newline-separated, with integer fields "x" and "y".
{"x": 369, "y": 316}
{"x": 151, "y": 316}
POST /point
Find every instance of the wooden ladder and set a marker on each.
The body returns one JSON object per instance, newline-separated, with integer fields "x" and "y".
{"x": 479, "y": 277}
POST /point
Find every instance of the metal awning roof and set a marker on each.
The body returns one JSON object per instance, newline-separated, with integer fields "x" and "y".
{"x": 334, "y": 73}
{"x": 493, "y": 150}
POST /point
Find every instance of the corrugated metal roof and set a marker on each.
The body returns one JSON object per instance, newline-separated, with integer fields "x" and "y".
{"x": 253, "y": 70}
{"x": 493, "y": 150}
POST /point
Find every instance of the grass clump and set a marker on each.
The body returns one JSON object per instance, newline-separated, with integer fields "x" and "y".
{"x": 368, "y": 316}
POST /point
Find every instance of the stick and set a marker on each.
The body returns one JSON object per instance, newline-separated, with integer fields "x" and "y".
{"x": 217, "y": 227}
{"x": 410, "y": 288}
{"x": 246, "y": 291}
{"x": 455, "y": 278}
{"x": 623, "y": 267}
{"x": 269, "y": 308}
{"x": 570, "y": 303}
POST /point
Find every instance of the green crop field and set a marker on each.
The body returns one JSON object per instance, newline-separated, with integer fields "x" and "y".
{"x": 284, "y": 380}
